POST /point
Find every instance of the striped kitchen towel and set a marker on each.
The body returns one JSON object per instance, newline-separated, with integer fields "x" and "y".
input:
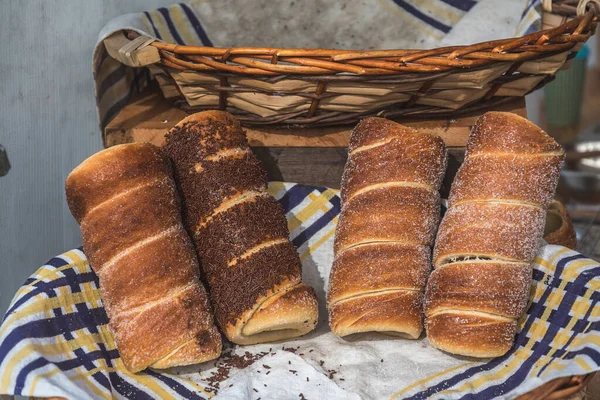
{"x": 54, "y": 340}
{"x": 343, "y": 24}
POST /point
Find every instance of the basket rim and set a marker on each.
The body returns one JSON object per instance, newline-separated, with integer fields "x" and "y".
{"x": 273, "y": 61}
{"x": 559, "y": 388}
{"x": 518, "y": 57}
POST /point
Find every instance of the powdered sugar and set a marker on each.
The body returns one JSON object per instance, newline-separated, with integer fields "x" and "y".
{"x": 390, "y": 212}
{"x": 497, "y": 211}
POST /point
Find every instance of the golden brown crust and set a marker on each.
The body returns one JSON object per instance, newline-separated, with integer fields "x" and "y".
{"x": 501, "y": 231}
{"x": 390, "y": 211}
{"x": 206, "y": 345}
{"x": 489, "y": 236}
{"x": 406, "y": 156}
{"x": 408, "y": 215}
{"x": 471, "y": 334}
{"x": 378, "y": 266}
{"x": 559, "y": 228}
{"x": 125, "y": 200}
{"x": 503, "y": 132}
{"x": 240, "y": 232}
{"x": 113, "y": 171}
{"x": 485, "y": 286}
{"x": 161, "y": 327}
{"x": 132, "y": 217}
{"x": 152, "y": 272}
{"x": 528, "y": 179}
{"x": 370, "y": 131}
{"x": 393, "y": 312}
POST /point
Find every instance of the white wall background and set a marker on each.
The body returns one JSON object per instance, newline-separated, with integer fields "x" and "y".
{"x": 48, "y": 123}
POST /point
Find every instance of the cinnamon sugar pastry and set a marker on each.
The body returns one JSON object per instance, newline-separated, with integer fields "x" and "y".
{"x": 490, "y": 235}
{"x": 126, "y": 202}
{"x": 240, "y": 232}
{"x": 390, "y": 211}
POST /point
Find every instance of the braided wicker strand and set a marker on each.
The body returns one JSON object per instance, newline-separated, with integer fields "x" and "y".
{"x": 320, "y": 87}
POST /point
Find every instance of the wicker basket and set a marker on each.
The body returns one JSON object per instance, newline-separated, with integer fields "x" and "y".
{"x": 315, "y": 87}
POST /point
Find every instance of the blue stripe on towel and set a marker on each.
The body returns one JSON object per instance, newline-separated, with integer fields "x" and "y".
{"x": 422, "y": 16}
{"x": 196, "y": 24}
{"x": 529, "y": 6}
{"x": 463, "y": 5}
{"x": 82, "y": 359}
{"x": 319, "y": 224}
{"x": 110, "y": 80}
{"x": 48, "y": 288}
{"x": 156, "y": 32}
{"x": 577, "y": 328}
{"x": 126, "y": 389}
{"x": 170, "y": 25}
{"x": 59, "y": 325}
{"x": 177, "y": 387}
{"x": 294, "y": 196}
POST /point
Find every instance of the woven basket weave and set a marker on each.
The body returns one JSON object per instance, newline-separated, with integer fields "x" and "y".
{"x": 315, "y": 87}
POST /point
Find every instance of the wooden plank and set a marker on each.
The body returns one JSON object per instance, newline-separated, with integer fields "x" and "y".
{"x": 317, "y": 166}
{"x": 150, "y": 116}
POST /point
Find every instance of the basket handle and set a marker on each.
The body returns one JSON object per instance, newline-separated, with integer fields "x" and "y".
{"x": 133, "y": 53}
{"x": 571, "y": 8}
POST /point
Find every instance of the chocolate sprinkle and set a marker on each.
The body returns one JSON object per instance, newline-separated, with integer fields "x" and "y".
{"x": 290, "y": 349}
{"x": 240, "y": 228}
{"x": 226, "y": 363}
{"x": 206, "y": 179}
{"x": 193, "y": 142}
{"x": 236, "y": 289}
{"x": 242, "y": 175}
